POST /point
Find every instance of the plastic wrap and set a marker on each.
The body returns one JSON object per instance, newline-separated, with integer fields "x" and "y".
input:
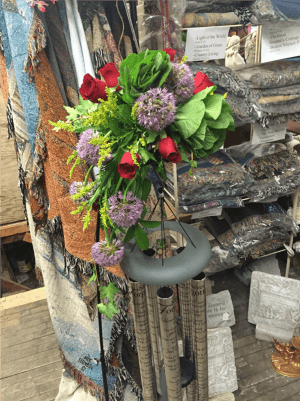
{"x": 160, "y": 25}
{"x": 275, "y": 74}
{"x": 274, "y": 169}
{"x": 216, "y": 176}
{"x": 259, "y": 220}
{"x": 282, "y": 100}
{"x": 222, "y": 202}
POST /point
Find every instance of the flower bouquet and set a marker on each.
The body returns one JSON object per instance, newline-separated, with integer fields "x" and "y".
{"x": 151, "y": 110}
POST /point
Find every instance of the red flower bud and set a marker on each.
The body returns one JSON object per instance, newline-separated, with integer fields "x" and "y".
{"x": 110, "y": 74}
{"x": 168, "y": 149}
{"x": 201, "y": 82}
{"x": 170, "y": 52}
{"x": 92, "y": 89}
{"x": 126, "y": 167}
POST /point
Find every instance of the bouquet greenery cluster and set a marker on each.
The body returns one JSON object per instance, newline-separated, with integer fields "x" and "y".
{"x": 151, "y": 110}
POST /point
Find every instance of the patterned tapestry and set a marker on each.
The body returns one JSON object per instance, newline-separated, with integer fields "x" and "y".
{"x": 38, "y": 77}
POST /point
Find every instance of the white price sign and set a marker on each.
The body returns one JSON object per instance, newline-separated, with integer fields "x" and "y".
{"x": 206, "y": 43}
{"x": 278, "y": 44}
{"x": 271, "y": 134}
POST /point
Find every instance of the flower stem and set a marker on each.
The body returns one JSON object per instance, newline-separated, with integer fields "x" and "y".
{"x": 106, "y": 236}
{"x": 125, "y": 193}
{"x": 112, "y": 233}
{"x": 119, "y": 183}
{"x": 87, "y": 175}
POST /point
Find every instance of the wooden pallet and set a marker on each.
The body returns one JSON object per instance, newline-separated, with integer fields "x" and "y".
{"x": 31, "y": 367}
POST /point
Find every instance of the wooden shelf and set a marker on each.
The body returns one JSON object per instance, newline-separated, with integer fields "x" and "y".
{"x": 8, "y": 230}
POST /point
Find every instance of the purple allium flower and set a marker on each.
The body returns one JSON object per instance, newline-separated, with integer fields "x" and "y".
{"x": 180, "y": 82}
{"x": 125, "y": 214}
{"x": 156, "y": 109}
{"x": 87, "y": 151}
{"x": 107, "y": 255}
{"x": 76, "y": 186}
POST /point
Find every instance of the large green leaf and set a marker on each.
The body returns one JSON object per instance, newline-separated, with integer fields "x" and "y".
{"x": 158, "y": 61}
{"x": 222, "y": 122}
{"x": 226, "y": 107}
{"x": 202, "y": 94}
{"x": 146, "y": 186}
{"x": 219, "y": 142}
{"x": 213, "y": 107}
{"x": 210, "y": 138}
{"x": 201, "y": 131}
{"x": 151, "y": 136}
{"x": 183, "y": 155}
{"x": 189, "y": 117}
{"x": 149, "y": 223}
{"x": 129, "y": 235}
{"x": 141, "y": 237}
{"x": 165, "y": 74}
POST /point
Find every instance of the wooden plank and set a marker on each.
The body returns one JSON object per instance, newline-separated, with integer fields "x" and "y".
{"x": 27, "y": 238}
{"x": 22, "y": 302}
{"x": 8, "y": 340}
{"x": 32, "y": 382}
{"x": 13, "y": 238}
{"x": 252, "y": 348}
{"x": 48, "y": 396}
{"x": 12, "y": 286}
{"x": 30, "y": 393}
{"x": 28, "y": 326}
{"x": 242, "y": 342}
{"x": 32, "y": 353}
{"x": 29, "y": 344}
{"x": 253, "y": 358}
{"x": 14, "y": 228}
{"x": 11, "y": 203}
{"x": 281, "y": 393}
{"x": 9, "y": 381}
{"x": 277, "y": 382}
{"x": 27, "y": 315}
{"x": 22, "y": 365}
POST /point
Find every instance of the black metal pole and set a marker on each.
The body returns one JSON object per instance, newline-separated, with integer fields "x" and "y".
{"x": 102, "y": 359}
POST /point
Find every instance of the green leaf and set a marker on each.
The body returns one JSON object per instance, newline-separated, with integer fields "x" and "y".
{"x": 213, "y": 107}
{"x": 109, "y": 291}
{"x": 93, "y": 277}
{"x": 189, "y": 117}
{"x": 141, "y": 237}
{"x": 146, "y": 155}
{"x": 210, "y": 138}
{"x": 108, "y": 310}
{"x": 161, "y": 171}
{"x": 129, "y": 235}
{"x": 202, "y": 94}
{"x": 158, "y": 61}
{"x": 222, "y": 122}
{"x": 183, "y": 155}
{"x": 151, "y": 136}
{"x": 165, "y": 74}
{"x": 226, "y": 107}
{"x": 149, "y": 223}
{"x": 146, "y": 186}
{"x": 72, "y": 113}
{"x": 201, "y": 131}
{"x": 219, "y": 142}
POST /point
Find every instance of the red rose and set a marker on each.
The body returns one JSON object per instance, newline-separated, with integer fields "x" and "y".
{"x": 110, "y": 75}
{"x": 201, "y": 82}
{"x": 126, "y": 167}
{"x": 168, "y": 149}
{"x": 92, "y": 89}
{"x": 170, "y": 52}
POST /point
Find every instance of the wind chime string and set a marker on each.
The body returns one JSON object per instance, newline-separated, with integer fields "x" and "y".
{"x": 123, "y": 27}
{"x": 131, "y": 27}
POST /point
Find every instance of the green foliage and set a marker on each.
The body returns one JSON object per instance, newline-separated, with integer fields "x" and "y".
{"x": 141, "y": 237}
{"x": 149, "y": 223}
{"x": 108, "y": 310}
{"x": 139, "y": 72}
{"x": 73, "y": 155}
{"x": 189, "y": 117}
{"x": 77, "y": 163}
{"x": 62, "y": 125}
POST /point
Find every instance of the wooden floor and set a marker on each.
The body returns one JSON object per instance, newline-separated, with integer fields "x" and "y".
{"x": 31, "y": 367}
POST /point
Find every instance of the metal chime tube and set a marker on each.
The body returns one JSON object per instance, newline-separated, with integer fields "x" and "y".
{"x": 151, "y": 291}
{"x": 200, "y": 336}
{"x": 168, "y": 330}
{"x": 186, "y": 313}
{"x": 141, "y": 325}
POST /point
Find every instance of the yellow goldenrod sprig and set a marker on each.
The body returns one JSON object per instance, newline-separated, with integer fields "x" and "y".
{"x": 133, "y": 111}
{"x": 183, "y": 60}
{"x": 107, "y": 108}
{"x": 83, "y": 191}
{"x": 133, "y": 150}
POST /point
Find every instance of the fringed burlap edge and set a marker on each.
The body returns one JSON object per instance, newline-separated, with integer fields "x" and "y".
{"x": 36, "y": 42}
